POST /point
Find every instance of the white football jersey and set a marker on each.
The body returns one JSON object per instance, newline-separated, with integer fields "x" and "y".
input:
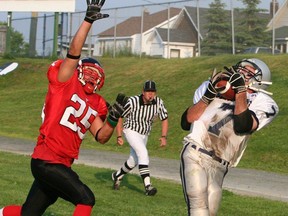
{"x": 214, "y": 129}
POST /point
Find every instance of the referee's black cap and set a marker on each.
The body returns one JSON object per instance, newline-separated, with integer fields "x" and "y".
{"x": 149, "y": 85}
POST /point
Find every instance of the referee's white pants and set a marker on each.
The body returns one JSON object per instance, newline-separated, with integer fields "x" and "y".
{"x": 138, "y": 150}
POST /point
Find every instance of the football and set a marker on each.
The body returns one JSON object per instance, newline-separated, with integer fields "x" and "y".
{"x": 225, "y": 90}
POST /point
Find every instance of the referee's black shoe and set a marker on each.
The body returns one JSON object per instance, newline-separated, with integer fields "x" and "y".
{"x": 116, "y": 181}
{"x": 150, "y": 191}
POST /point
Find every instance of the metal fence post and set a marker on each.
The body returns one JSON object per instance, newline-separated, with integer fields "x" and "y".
{"x": 8, "y": 34}
{"x": 55, "y": 38}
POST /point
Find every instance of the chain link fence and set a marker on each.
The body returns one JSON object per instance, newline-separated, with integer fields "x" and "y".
{"x": 39, "y": 29}
{"x": 42, "y": 33}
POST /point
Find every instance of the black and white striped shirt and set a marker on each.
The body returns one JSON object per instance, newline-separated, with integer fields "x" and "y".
{"x": 139, "y": 116}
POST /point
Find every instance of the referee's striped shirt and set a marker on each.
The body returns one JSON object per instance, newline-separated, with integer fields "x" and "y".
{"x": 139, "y": 116}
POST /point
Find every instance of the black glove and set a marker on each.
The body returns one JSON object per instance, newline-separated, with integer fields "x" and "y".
{"x": 93, "y": 11}
{"x": 211, "y": 92}
{"x": 237, "y": 82}
{"x": 117, "y": 109}
{"x": 236, "y": 79}
{"x": 229, "y": 71}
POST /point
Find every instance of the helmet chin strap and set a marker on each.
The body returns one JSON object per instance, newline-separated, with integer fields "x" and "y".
{"x": 95, "y": 89}
{"x": 260, "y": 90}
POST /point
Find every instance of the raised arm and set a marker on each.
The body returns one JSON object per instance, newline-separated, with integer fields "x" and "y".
{"x": 70, "y": 62}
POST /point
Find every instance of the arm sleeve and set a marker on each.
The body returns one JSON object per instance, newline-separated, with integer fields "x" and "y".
{"x": 200, "y": 91}
{"x": 128, "y": 106}
{"x": 163, "y": 113}
{"x": 185, "y": 125}
{"x": 265, "y": 109}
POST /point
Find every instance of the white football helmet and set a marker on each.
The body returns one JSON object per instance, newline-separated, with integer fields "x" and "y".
{"x": 259, "y": 79}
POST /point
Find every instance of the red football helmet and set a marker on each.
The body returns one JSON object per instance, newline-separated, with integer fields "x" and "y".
{"x": 91, "y": 74}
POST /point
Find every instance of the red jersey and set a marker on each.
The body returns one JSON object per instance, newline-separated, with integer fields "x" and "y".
{"x": 69, "y": 112}
{"x": 101, "y": 106}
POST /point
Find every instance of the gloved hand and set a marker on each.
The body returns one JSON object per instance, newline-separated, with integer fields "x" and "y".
{"x": 236, "y": 79}
{"x": 93, "y": 10}
{"x": 209, "y": 94}
{"x": 211, "y": 91}
{"x": 237, "y": 82}
{"x": 117, "y": 109}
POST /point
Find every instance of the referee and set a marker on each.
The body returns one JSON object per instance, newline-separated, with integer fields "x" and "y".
{"x": 139, "y": 114}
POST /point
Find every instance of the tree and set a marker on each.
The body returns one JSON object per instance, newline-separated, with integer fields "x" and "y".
{"x": 19, "y": 47}
{"x": 218, "y": 38}
{"x": 251, "y": 26}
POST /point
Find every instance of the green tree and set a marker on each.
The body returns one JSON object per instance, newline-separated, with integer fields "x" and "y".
{"x": 218, "y": 38}
{"x": 19, "y": 47}
{"x": 251, "y": 25}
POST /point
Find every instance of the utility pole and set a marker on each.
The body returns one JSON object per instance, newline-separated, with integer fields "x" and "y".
{"x": 198, "y": 30}
{"x": 232, "y": 28}
{"x": 115, "y": 35}
{"x": 168, "y": 33}
{"x": 55, "y": 39}
{"x": 44, "y": 36}
{"x": 8, "y": 34}
{"x": 33, "y": 34}
{"x": 273, "y": 26}
{"x": 141, "y": 30}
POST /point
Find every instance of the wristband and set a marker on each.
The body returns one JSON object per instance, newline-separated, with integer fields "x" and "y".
{"x": 96, "y": 136}
{"x": 72, "y": 56}
{"x": 89, "y": 20}
{"x": 164, "y": 137}
{"x": 119, "y": 137}
{"x": 112, "y": 122}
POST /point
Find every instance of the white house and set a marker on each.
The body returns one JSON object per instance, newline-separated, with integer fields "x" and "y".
{"x": 176, "y": 37}
{"x": 280, "y": 25}
{"x": 134, "y": 34}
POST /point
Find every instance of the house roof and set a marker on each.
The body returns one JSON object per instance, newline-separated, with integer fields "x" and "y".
{"x": 182, "y": 36}
{"x": 281, "y": 33}
{"x": 132, "y": 25}
{"x": 280, "y": 18}
{"x": 192, "y": 13}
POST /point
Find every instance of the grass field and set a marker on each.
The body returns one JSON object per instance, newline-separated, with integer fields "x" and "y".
{"x": 22, "y": 95}
{"x": 16, "y": 180}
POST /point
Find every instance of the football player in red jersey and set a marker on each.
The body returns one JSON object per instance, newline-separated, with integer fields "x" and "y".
{"x": 70, "y": 111}
{"x": 90, "y": 69}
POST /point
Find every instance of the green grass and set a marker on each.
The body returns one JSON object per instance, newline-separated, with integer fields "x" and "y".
{"x": 16, "y": 180}
{"x": 22, "y": 95}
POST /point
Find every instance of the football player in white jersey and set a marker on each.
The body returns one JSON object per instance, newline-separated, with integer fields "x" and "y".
{"x": 219, "y": 130}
